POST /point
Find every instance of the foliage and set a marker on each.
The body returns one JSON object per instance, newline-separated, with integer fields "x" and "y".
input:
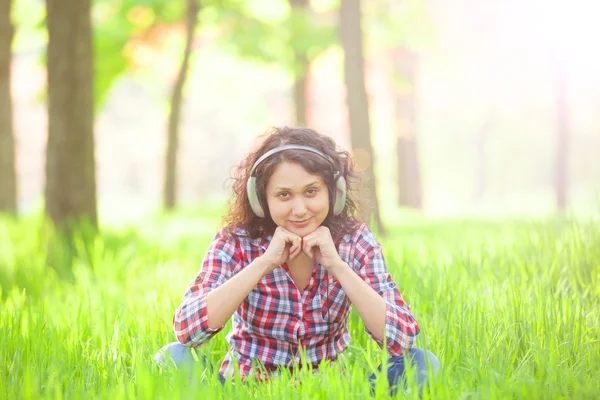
{"x": 511, "y": 310}
{"x": 117, "y": 27}
{"x": 275, "y": 39}
{"x": 393, "y": 24}
{"x": 123, "y": 23}
{"x": 266, "y": 32}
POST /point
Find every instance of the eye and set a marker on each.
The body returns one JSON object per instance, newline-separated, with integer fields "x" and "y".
{"x": 311, "y": 191}
{"x": 283, "y": 195}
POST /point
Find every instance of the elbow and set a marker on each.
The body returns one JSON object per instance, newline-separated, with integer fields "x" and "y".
{"x": 401, "y": 346}
{"x": 183, "y": 337}
{"x": 184, "y": 341}
{"x": 187, "y": 333}
{"x": 410, "y": 344}
{"x": 190, "y": 323}
{"x": 192, "y": 332}
{"x": 402, "y": 336}
{"x": 409, "y": 338}
{"x": 181, "y": 333}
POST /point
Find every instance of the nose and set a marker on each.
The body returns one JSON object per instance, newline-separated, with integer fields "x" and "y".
{"x": 299, "y": 208}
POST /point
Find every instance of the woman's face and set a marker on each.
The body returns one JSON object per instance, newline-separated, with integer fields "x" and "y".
{"x": 298, "y": 201}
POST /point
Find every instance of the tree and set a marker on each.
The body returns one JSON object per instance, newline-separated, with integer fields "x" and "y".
{"x": 70, "y": 191}
{"x": 405, "y": 63}
{"x": 293, "y": 41}
{"x": 401, "y": 30}
{"x": 358, "y": 107}
{"x": 119, "y": 29}
{"x": 300, "y": 8}
{"x": 170, "y": 183}
{"x": 8, "y": 175}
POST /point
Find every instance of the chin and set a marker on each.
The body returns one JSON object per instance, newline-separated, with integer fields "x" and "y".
{"x": 303, "y": 231}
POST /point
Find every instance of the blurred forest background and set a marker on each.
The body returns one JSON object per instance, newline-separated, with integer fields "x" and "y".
{"x": 475, "y": 107}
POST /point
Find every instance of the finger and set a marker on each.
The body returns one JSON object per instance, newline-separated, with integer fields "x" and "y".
{"x": 285, "y": 232}
{"x": 284, "y": 237}
{"x": 295, "y": 248}
{"x": 321, "y": 237}
{"x": 281, "y": 231}
{"x": 288, "y": 236}
{"x": 307, "y": 246}
{"x": 298, "y": 244}
{"x": 294, "y": 254}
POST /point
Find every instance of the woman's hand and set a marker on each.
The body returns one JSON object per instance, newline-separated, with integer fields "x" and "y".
{"x": 319, "y": 246}
{"x": 285, "y": 246}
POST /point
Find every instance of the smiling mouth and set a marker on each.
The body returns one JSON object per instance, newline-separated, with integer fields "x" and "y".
{"x": 300, "y": 222}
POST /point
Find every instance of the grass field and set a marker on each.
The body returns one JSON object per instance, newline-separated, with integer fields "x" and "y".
{"x": 512, "y": 310}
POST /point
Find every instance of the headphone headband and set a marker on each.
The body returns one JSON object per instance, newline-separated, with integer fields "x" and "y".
{"x": 290, "y": 147}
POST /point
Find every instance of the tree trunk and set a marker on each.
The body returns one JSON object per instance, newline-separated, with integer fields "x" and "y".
{"x": 409, "y": 179}
{"x": 70, "y": 164}
{"x": 358, "y": 108}
{"x": 301, "y": 69}
{"x": 562, "y": 140}
{"x": 170, "y": 183}
{"x": 301, "y": 91}
{"x": 8, "y": 174}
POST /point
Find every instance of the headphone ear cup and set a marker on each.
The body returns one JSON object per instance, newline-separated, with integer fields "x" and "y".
{"x": 253, "y": 198}
{"x": 340, "y": 196}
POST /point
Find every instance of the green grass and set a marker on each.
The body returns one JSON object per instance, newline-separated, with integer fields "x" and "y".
{"x": 512, "y": 310}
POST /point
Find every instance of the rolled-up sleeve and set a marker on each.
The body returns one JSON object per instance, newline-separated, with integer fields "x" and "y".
{"x": 401, "y": 328}
{"x": 191, "y": 317}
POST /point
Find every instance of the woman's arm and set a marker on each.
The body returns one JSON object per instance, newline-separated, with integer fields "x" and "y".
{"x": 376, "y": 297}
{"x": 190, "y": 321}
{"x": 371, "y": 289}
{"x": 368, "y": 303}
{"x": 401, "y": 328}
{"x": 213, "y": 297}
{"x": 216, "y": 293}
{"x": 222, "y": 302}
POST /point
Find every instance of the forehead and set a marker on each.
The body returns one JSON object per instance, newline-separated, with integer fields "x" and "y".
{"x": 290, "y": 175}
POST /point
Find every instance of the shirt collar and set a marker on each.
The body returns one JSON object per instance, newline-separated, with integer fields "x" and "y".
{"x": 264, "y": 241}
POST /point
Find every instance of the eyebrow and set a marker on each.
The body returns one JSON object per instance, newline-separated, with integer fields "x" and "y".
{"x": 310, "y": 184}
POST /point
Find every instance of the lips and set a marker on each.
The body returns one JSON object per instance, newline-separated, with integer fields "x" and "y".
{"x": 301, "y": 223}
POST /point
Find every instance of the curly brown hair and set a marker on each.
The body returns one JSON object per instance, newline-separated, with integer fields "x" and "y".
{"x": 240, "y": 214}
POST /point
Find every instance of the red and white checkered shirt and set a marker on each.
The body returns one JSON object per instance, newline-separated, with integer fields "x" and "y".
{"x": 275, "y": 320}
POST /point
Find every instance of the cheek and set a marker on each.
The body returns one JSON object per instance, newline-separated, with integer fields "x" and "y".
{"x": 326, "y": 199}
{"x": 270, "y": 204}
{"x": 321, "y": 203}
{"x": 277, "y": 208}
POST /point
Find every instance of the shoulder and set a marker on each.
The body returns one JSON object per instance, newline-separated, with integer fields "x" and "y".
{"x": 362, "y": 236}
{"x": 238, "y": 240}
{"x": 360, "y": 246}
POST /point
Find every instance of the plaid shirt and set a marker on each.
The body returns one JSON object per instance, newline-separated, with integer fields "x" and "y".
{"x": 275, "y": 320}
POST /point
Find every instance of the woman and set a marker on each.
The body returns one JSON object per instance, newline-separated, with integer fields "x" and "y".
{"x": 288, "y": 265}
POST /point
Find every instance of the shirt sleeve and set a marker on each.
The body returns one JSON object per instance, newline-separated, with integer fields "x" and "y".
{"x": 190, "y": 321}
{"x": 401, "y": 328}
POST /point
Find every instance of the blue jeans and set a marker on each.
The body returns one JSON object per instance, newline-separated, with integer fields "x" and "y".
{"x": 419, "y": 359}
{"x": 181, "y": 356}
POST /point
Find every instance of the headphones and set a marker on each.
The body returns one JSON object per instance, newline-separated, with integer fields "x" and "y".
{"x": 339, "y": 197}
